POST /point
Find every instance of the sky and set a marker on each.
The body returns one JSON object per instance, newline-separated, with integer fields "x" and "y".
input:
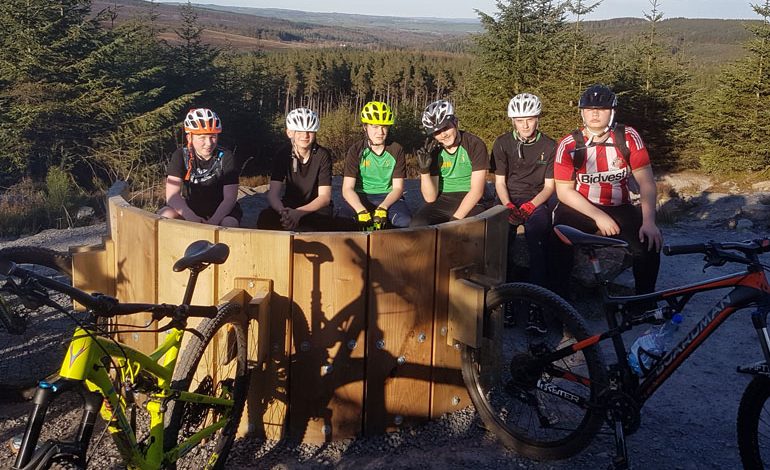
{"x": 726, "y": 9}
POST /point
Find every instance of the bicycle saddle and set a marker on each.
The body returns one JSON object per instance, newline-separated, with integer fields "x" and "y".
{"x": 202, "y": 252}
{"x": 573, "y": 236}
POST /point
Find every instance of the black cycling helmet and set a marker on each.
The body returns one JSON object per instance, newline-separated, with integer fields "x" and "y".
{"x": 598, "y": 97}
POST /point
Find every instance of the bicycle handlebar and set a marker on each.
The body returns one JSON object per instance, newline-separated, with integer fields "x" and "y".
{"x": 759, "y": 245}
{"x": 105, "y": 306}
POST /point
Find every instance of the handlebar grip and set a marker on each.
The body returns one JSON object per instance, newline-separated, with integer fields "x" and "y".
{"x": 671, "y": 250}
{"x": 202, "y": 311}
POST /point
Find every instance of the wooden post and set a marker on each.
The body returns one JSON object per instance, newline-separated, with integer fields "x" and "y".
{"x": 459, "y": 244}
{"x": 328, "y": 334}
{"x": 257, "y": 255}
{"x": 136, "y": 258}
{"x": 400, "y": 328}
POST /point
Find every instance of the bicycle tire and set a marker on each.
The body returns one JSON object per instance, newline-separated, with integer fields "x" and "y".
{"x": 65, "y": 465}
{"x": 502, "y": 377}
{"x": 753, "y": 424}
{"x": 33, "y": 338}
{"x": 224, "y": 336}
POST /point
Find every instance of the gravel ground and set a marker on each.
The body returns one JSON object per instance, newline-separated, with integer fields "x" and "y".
{"x": 688, "y": 424}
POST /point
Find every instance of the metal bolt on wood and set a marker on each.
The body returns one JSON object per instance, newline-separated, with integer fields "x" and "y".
{"x": 443, "y": 331}
{"x": 421, "y": 338}
{"x": 381, "y": 344}
{"x": 398, "y": 420}
{"x": 455, "y": 400}
{"x": 352, "y": 344}
{"x": 401, "y": 360}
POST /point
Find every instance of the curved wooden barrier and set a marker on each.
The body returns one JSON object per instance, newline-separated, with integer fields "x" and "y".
{"x": 350, "y": 332}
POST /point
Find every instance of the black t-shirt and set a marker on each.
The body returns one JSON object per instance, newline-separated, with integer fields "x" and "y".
{"x": 524, "y": 176}
{"x": 302, "y": 180}
{"x": 207, "y": 179}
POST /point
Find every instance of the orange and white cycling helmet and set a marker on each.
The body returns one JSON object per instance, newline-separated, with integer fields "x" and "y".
{"x": 202, "y": 121}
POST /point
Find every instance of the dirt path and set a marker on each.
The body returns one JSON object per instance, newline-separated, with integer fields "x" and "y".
{"x": 688, "y": 424}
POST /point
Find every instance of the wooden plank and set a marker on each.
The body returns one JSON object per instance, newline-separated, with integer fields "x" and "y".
{"x": 400, "y": 328}
{"x": 262, "y": 254}
{"x": 459, "y": 244}
{"x": 93, "y": 269}
{"x": 466, "y": 310}
{"x": 496, "y": 243}
{"x": 174, "y": 236}
{"x": 136, "y": 270}
{"x": 328, "y": 330}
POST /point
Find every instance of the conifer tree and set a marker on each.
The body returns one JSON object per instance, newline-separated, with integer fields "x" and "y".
{"x": 524, "y": 49}
{"x": 652, "y": 85}
{"x": 733, "y": 121}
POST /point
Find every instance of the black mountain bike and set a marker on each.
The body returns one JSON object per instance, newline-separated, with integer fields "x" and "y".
{"x": 546, "y": 392}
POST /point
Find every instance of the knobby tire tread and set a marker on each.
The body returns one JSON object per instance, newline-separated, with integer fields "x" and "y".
{"x": 185, "y": 373}
{"x": 472, "y": 359}
{"x": 753, "y": 403}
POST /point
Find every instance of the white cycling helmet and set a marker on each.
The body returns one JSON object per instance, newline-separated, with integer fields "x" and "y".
{"x": 437, "y": 116}
{"x": 302, "y": 119}
{"x": 524, "y": 105}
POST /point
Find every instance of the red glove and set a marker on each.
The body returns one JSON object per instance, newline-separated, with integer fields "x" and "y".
{"x": 526, "y": 210}
{"x": 514, "y": 214}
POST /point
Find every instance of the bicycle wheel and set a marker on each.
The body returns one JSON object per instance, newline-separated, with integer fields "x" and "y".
{"x": 540, "y": 410}
{"x": 215, "y": 364}
{"x": 33, "y": 338}
{"x": 754, "y": 424}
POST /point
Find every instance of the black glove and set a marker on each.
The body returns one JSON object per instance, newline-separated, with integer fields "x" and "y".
{"x": 425, "y": 155}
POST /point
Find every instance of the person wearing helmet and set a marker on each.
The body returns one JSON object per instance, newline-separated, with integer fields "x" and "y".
{"x": 592, "y": 170}
{"x": 302, "y": 172}
{"x": 374, "y": 172}
{"x": 453, "y": 166}
{"x": 202, "y": 181}
{"x": 524, "y": 182}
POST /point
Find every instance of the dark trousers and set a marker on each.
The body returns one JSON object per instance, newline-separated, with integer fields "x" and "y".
{"x": 269, "y": 219}
{"x": 646, "y": 264}
{"x": 537, "y": 233}
{"x": 441, "y": 210}
{"x": 399, "y": 215}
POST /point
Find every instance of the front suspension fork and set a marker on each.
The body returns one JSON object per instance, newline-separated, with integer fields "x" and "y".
{"x": 45, "y": 394}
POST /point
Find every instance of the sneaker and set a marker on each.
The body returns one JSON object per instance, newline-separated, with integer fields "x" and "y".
{"x": 536, "y": 322}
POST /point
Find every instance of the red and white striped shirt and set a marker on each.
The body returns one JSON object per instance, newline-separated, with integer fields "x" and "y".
{"x": 603, "y": 178}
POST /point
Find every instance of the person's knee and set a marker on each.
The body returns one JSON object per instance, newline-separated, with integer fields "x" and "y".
{"x": 168, "y": 212}
{"x": 230, "y": 222}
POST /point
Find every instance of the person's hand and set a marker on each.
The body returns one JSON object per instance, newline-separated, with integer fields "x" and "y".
{"x": 526, "y": 210}
{"x": 290, "y": 218}
{"x": 607, "y": 225}
{"x": 650, "y": 233}
{"x": 364, "y": 218}
{"x": 514, "y": 214}
{"x": 380, "y": 216}
{"x": 425, "y": 155}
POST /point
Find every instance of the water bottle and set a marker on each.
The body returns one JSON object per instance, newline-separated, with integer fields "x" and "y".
{"x": 653, "y": 341}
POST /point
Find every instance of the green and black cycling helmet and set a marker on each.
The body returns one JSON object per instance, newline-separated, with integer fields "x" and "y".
{"x": 598, "y": 97}
{"x": 437, "y": 116}
{"x": 377, "y": 113}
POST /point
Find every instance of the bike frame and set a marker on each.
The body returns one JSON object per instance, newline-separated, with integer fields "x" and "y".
{"x": 86, "y": 368}
{"x": 750, "y": 287}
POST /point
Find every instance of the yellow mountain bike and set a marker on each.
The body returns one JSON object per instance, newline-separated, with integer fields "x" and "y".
{"x": 194, "y": 407}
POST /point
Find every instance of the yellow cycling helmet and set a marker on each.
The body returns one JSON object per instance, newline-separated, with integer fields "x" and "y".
{"x": 378, "y": 113}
